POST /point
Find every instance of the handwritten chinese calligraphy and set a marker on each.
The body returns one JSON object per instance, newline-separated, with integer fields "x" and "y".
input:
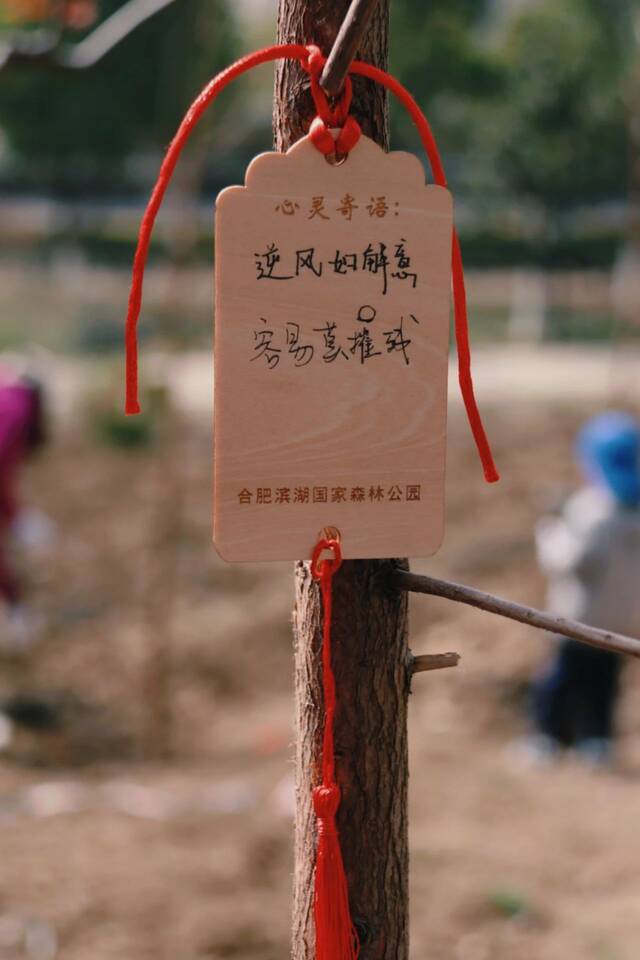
{"x": 396, "y": 339}
{"x": 403, "y": 264}
{"x": 363, "y": 344}
{"x": 267, "y": 262}
{"x": 373, "y": 260}
{"x": 332, "y": 348}
{"x": 305, "y": 260}
{"x": 302, "y": 352}
{"x": 263, "y": 346}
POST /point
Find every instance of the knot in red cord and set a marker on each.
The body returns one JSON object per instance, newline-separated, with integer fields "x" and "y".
{"x": 348, "y": 136}
{"x": 326, "y": 800}
{"x": 333, "y": 113}
{"x": 314, "y": 61}
{"x": 321, "y": 137}
{"x": 323, "y": 140}
{"x": 329, "y": 566}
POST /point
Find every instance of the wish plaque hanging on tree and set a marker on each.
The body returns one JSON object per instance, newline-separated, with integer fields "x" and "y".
{"x": 331, "y": 344}
{"x": 334, "y": 265}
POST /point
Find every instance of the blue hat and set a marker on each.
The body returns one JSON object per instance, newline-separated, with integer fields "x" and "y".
{"x": 609, "y": 450}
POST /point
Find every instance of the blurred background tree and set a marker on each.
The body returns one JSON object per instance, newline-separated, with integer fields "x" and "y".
{"x": 534, "y": 105}
{"x": 72, "y": 131}
{"x": 561, "y": 136}
{"x": 440, "y": 51}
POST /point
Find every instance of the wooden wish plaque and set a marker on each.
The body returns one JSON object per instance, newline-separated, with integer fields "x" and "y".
{"x": 331, "y": 344}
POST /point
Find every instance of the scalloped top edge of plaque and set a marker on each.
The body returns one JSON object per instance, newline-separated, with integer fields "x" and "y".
{"x": 270, "y": 170}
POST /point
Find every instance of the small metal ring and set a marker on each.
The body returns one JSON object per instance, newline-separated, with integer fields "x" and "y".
{"x": 330, "y": 533}
{"x": 336, "y": 160}
{"x": 326, "y": 543}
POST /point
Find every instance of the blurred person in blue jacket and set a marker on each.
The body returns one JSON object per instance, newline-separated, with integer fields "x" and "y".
{"x": 591, "y": 556}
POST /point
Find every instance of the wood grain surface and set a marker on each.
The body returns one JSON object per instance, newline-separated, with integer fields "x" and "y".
{"x": 330, "y": 385}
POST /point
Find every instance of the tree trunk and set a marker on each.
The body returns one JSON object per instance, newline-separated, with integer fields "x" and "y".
{"x": 318, "y": 21}
{"x": 369, "y": 636}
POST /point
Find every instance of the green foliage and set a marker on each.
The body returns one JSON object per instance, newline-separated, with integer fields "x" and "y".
{"x": 435, "y": 47}
{"x": 509, "y": 903}
{"x": 531, "y": 104}
{"x": 560, "y": 136}
{"x": 75, "y": 129}
{"x": 486, "y": 247}
{"x": 437, "y": 52}
{"x": 114, "y": 429}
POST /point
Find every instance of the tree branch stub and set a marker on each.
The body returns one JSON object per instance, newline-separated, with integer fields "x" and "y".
{"x": 422, "y": 663}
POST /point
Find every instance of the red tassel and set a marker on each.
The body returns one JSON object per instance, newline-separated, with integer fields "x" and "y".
{"x": 336, "y": 938}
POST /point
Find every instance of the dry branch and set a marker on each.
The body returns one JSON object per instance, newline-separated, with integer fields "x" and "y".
{"x": 347, "y": 42}
{"x": 603, "y": 639}
{"x": 112, "y": 32}
{"x": 45, "y": 47}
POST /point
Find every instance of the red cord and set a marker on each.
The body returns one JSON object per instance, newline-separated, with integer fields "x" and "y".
{"x": 312, "y": 61}
{"x": 324, "y": 571}
{"x": 286, "y": 50}
{"x": 491, "y": 474}
{"x": 336, "y": 938}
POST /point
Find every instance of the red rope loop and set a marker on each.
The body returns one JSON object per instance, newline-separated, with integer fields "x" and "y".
{"x": 329, "y": 566}
{"x": 312, "y": 61}
{"x": 330, "y": 114}
{"x": 334, "y": 115}
{"x": 348, "y": 136}
{"x": 321, "y": 137}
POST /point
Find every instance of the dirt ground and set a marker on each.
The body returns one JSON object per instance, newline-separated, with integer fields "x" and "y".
{"x": 110, "y": 850}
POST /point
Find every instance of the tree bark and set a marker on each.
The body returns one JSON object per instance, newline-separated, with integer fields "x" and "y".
{"x": 318, "y": 21}
{"x": 369, "y": 637}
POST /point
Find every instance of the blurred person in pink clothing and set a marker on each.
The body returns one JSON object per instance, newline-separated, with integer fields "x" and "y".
{"x": 21, "y": 434}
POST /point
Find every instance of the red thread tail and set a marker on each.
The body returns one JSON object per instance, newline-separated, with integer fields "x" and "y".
{"x": 336, "y": 938}
{"x": 459, "y": 298}
{"x": 311, "y": 59}
{"x": 195, "y": 111}
{"x": 491, "y": 474}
